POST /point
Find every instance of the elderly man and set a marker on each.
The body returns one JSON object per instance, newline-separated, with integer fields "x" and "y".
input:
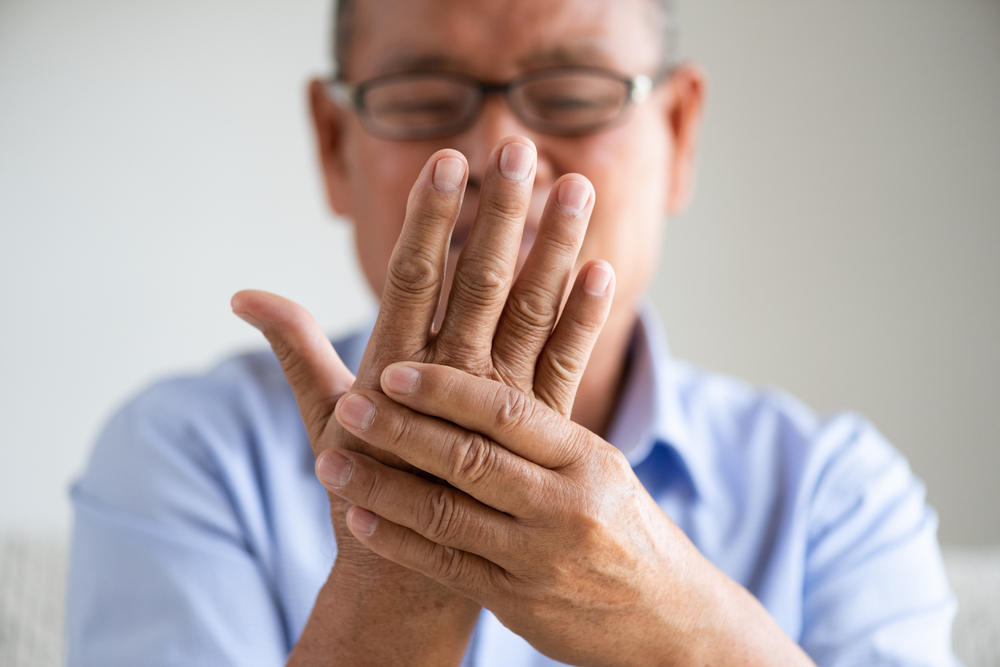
{"x": 518, "y": 473}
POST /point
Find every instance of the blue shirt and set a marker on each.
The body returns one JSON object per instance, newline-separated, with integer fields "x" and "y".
{"x": 202, "y": 536}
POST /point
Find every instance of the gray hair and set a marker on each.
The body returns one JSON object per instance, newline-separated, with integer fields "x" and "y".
{"x": 664, "y": 15}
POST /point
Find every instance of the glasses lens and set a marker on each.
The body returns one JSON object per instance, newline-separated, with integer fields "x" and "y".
{"x": 571, "y": 102}
{"x": 418, "y": 106}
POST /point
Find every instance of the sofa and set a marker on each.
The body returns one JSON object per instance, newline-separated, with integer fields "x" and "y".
{"x": 33, "y": 573}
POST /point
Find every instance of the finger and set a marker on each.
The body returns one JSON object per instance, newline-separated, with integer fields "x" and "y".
{"x": 469, "y": 574}
{"x": 440, "y": 513}
{"x": 564, "y": 359}
{"x": 502, "y": 414}
{"x": 312, "y": 367}
{"x": 533, "y": 306}
{"x": 486, "y": 266}
{"x": 486, "y": 471}
{"x": 417, "y": 267}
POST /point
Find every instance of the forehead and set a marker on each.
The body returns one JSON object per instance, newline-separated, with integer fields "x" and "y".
{"x": 501, "y": 38}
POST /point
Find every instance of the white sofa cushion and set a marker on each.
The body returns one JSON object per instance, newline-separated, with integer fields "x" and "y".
{"x": 975, "y": 577}
{"x": 32, "y": 588}
{"x": 33, "y": 584}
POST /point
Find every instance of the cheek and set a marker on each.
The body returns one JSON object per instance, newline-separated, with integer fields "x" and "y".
{"x": 630, "y": 178}
{"x": 382, "y": 176}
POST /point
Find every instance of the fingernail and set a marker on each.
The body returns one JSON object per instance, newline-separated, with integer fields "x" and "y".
{"x": 334, "y": 469}
{"x": 515, "y": 161}
{"x": 448, "y": 174}
{"x": 357, "y": 411}
{"x": 363, "y": 521}
{"x": 252, "y": 321}
{"x": 400, "y": 379}
{"x": 573, "y": 197}
{"x": 597, "y": 280}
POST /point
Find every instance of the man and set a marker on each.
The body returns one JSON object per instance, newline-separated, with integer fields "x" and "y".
{"x": 640, "y": 512}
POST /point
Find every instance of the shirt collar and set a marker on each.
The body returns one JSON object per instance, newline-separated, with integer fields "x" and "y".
{"x": 650, "y": 412}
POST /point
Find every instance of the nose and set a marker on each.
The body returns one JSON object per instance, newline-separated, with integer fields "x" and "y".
{"x": 496, "y": 121}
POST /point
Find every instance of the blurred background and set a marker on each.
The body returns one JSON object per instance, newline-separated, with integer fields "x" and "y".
{"x": 844, "y": 244}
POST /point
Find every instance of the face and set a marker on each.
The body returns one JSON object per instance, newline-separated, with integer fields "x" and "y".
{"x": 640, "y": 168}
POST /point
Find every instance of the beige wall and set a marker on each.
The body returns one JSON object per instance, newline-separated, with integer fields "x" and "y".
{"x": 845, "y": 242}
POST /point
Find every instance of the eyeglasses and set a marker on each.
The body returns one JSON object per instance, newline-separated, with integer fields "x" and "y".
{"x": 428, "y": 105}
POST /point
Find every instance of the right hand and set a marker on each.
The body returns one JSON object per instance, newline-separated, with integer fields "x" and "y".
{"x": 495, "y": 327}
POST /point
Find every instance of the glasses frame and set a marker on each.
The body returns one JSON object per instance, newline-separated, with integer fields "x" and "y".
{"x": 351, "y": 97}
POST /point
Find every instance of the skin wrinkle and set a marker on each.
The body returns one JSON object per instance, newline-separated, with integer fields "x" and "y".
{"x": 568, "y": 368}
{"x": 443, "y": 516}
{"x": 514, "y": 411}
{"x": 416, "y": 278}
{"x": 506, "y": 371}
{"x": 470, "y": 455}
{"x": 480, "y": 284}
{"x": 530, "y": 310}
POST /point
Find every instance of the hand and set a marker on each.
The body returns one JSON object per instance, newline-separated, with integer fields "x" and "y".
{"x": 511, "y": 337}
{"x": 546, "y": 526}
{"x": 484, "y": 331}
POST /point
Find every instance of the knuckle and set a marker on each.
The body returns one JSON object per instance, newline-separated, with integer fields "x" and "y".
{"x": 532, "y": 308}
{"x": 368, "y": 487}
{"x": 441, "y": 515}
{"x": 564, "y": 368}
{"x": 515, "y": 408}
{"x": 481, "y": 281}
{"x": 397, "y": 432}
{"x": 474, "y": 459}
{"x": 448, "y": 564}
{"x": 562, "y": 245}
{"x": 502, "y": 205}
{"x": 414, "y": 273}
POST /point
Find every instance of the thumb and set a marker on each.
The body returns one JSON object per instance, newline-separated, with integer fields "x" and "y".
{"x": 311, "y": 365}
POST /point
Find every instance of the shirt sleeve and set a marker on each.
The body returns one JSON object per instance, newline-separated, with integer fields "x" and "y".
{"x": 875, "y": 589}
{"x": 161, "y": 569}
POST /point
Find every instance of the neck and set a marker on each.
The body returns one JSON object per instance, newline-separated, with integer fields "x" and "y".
{"x": 602, "y": 382}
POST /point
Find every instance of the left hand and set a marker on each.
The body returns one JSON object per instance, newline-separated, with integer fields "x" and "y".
{"x": 546, "y": 526}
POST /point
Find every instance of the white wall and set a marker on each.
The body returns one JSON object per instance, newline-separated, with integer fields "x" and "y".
{"x": 845, "y": 240}
{"x": 155, "y": 158}
{"x": 845, "y": 244}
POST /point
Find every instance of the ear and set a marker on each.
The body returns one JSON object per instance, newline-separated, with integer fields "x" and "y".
{"x": 328, "y": 122}
{"x": 684, "y": 113}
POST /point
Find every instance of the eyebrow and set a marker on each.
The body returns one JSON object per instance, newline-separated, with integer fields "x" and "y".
{"x": 406, "y": 62}
{"x": 583, "y": 54}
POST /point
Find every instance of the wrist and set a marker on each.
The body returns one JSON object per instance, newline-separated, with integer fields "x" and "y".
{"x": 689, "y": 622}
{"x": 721, "y": 623}
{"x": 371, "y": 611}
